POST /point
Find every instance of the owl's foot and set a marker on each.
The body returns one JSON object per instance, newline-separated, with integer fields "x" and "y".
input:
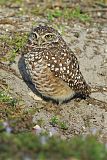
{"x": 35, "y": 97}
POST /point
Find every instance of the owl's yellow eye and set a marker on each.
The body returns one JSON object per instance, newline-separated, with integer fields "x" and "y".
{"x": 49, "y": 37}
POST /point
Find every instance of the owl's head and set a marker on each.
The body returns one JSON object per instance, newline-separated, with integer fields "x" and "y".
{"x": 45, "y": 36}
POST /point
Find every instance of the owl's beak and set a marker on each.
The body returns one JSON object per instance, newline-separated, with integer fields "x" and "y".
{"x": 40, "y": 41}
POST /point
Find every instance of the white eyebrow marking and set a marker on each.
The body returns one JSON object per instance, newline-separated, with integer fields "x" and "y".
{"x": 34, "y": 32}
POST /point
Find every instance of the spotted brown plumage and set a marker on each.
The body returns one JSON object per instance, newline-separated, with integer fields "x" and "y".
{"x": 53, "y": 67}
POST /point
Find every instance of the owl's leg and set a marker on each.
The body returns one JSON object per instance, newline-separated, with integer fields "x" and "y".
{"x": 34, "y": 96}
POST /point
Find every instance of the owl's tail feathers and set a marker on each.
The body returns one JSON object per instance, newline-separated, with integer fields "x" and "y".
{"x": 98, "y": 89}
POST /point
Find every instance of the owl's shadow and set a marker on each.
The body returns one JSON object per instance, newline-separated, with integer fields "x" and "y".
{"x": 28, "y": 80}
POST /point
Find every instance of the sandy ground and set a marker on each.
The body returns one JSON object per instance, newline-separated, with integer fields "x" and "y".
{"x": 90, "y": 47}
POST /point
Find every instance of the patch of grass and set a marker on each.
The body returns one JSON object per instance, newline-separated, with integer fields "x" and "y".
{"x": 28, "y": 145}
{"x": 51, "y": 14}
{"x": 55, "y": 121}
{"x": 7, "y": 99}
{"x": 4, "y": 2}
{"x": 100, "y": 0}
{"x": 12, "y": 45}
{"x": 67, "y": 14}
{"x": 12, "y": 111}
{"x": 63, "y": 125}
{"x": 58, "y": 13}
{"x": 38, "y": 10}
{"x": 18, "y": 120}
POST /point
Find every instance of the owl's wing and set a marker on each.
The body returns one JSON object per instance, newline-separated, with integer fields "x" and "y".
{"x": 65, "y": 65}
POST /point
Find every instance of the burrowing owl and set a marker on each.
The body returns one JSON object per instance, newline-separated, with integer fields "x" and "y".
{"x": 53, "y": 67}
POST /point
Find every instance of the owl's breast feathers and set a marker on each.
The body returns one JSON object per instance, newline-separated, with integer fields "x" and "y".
{"x": 64, "y": 64}
{"x": 55, "y": 71}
